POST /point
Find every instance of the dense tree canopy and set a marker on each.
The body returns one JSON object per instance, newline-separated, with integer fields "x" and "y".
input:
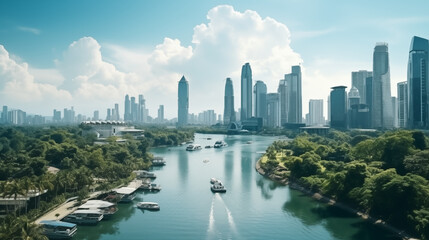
{"x": 384, "y": 175}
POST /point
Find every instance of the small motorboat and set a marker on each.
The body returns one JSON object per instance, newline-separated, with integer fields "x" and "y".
{"x": 153, "y": 206}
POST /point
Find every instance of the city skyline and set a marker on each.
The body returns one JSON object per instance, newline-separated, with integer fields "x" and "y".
{"x": 51, "y": 60}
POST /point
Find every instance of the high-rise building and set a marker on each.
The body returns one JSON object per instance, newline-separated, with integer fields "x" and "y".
{"x": 57, "y": 116}
{"x": 273, "y": 110}
{"x": 402, "y": 104}
{"x": 417, "y": 82}
{"x": 395, "y": 111}
{"x": 354, "y": 97}
{"x": 283, "y": 101}
{"x": 368, "y": 88}
{"x": 96, "y": 116}
{"x": 127, "y": 109}
{"x": 4, "y": 115}
{"x": 359, "y": 82}
{"x": 161, "y": 114}
{"x": 228, "y": 109}
{"x": 109, "y": 115}
{"x": 69, "y": 115}
{"x": 183, "y": 102}
{"x": 338, "y": 102}
{"x": 293, "y": 82}
{"x": 260, "y": 91}
{"x": 246, "y": 92}
{"x": 381, "y": 109}
{"x": 134, "y": 107}
{"x": 116, "y": 115}
{"x": 315, "y": 112}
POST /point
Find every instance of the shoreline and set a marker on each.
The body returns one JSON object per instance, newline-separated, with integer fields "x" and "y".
{"x": 319, "y": 197}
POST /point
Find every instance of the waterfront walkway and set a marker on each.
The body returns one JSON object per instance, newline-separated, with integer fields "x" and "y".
{"x": 71, "y": 204}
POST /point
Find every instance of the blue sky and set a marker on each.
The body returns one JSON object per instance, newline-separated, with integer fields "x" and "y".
{"x": 126, "y": 50}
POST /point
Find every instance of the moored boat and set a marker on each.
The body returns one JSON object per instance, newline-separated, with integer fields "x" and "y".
{"x": 84, "y": 217}
{"x": 107, "y": 208}
{"x": 220, "y": 144}
{"x": 150, "y": 187}
{"x": 158, "y": 161}
{"x": 153, "y": 206}
{"x": 193, "y": 147}
{"x": 144, "y": 174}
{"x": 58, "y": 230}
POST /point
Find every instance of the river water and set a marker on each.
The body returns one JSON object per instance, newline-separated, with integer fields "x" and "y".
{"x": 252, "y": 208}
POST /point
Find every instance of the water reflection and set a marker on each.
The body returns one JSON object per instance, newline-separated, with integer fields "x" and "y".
{"x": 267, "y": 187}
{"x": 183, "y": 163}
{"x": 229, "y": 165}
{"x": 339, "y": 223}
{"x": 125, "y": 211}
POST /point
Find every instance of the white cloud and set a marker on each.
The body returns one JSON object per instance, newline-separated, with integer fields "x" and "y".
{"x": 29, "y": 30}
{"x": 17, "y": 86}
{"x": 219, "y": 48}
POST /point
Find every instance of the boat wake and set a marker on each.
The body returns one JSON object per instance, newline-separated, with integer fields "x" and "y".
{"x": 211, "y": 227}
{"x": 211, "y": 217}
{"x": 230, "y": 218}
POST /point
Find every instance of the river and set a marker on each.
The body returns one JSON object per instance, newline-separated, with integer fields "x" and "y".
{"x": 252, "y": 208}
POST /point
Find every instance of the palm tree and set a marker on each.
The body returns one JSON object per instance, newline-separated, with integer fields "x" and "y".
{"x": 18, "y": 228}
{"x": 14, "y": 189}
{"x": 27, "y": 184}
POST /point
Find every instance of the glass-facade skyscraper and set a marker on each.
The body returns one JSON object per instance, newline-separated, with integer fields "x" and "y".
{"x": 228, "y": 109}
{"x": 381, "y": 109}
{"x": 260, "y": 91}
{"x": 338, "y": 106}
{"x": 183, "y": 102}
{"x": 246, "y": 92}
{"x": 293, "y": 82}
{"x": 273, "y": 110}
{"x": 359, "y": 82}
{"x": 402, "y": 101}
{"x": 417, "y": 81}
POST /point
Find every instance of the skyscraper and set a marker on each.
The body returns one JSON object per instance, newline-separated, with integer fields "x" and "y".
{"x": 417, "y": 82}
{"x": 359, "y": 82}
{"x": 116, "y": 115}
{"x": 161, "y": 113}
{"x": 228, "y": 109}
{"x": 133, "y": 109}
{"x": 273, "y": 110}
{"x": 260, "y": 91}
{"x": 338, "y": 101}
{"x": 381, "y": 111}
{"x": 96, "y": 116}
{"x": 293, "y": 82}
{"x": 127, "y": 109}
{"x": 315, "y": 112}
{"x": 183, "y": 102}
{"x": 402, "y": 104}
{"x": 246, "y": 92}
{"x": 354, "y": 97}
{"x": 283, "y": 101}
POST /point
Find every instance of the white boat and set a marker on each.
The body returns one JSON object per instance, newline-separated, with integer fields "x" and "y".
{"x": 148, "y": 206}
{"x": 218, "y": 187}
{"x": 58, "y": 229}
{"x": 158, "y": 161}
{"x": 144, "y": 174}
{"x": 193, "y": 147}
{"x": 107, "y": 208}
{"x": 213, "y": 180}
{"x": 150, "y": 187}
{"x": 84, "y": 217}
{"x": 128, "y": 194}
{"x": 220, "y": 144}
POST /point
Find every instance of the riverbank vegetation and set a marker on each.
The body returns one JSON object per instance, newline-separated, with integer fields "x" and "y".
{"x": 80, "y": 166}
{"x": 383, "y": 175}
